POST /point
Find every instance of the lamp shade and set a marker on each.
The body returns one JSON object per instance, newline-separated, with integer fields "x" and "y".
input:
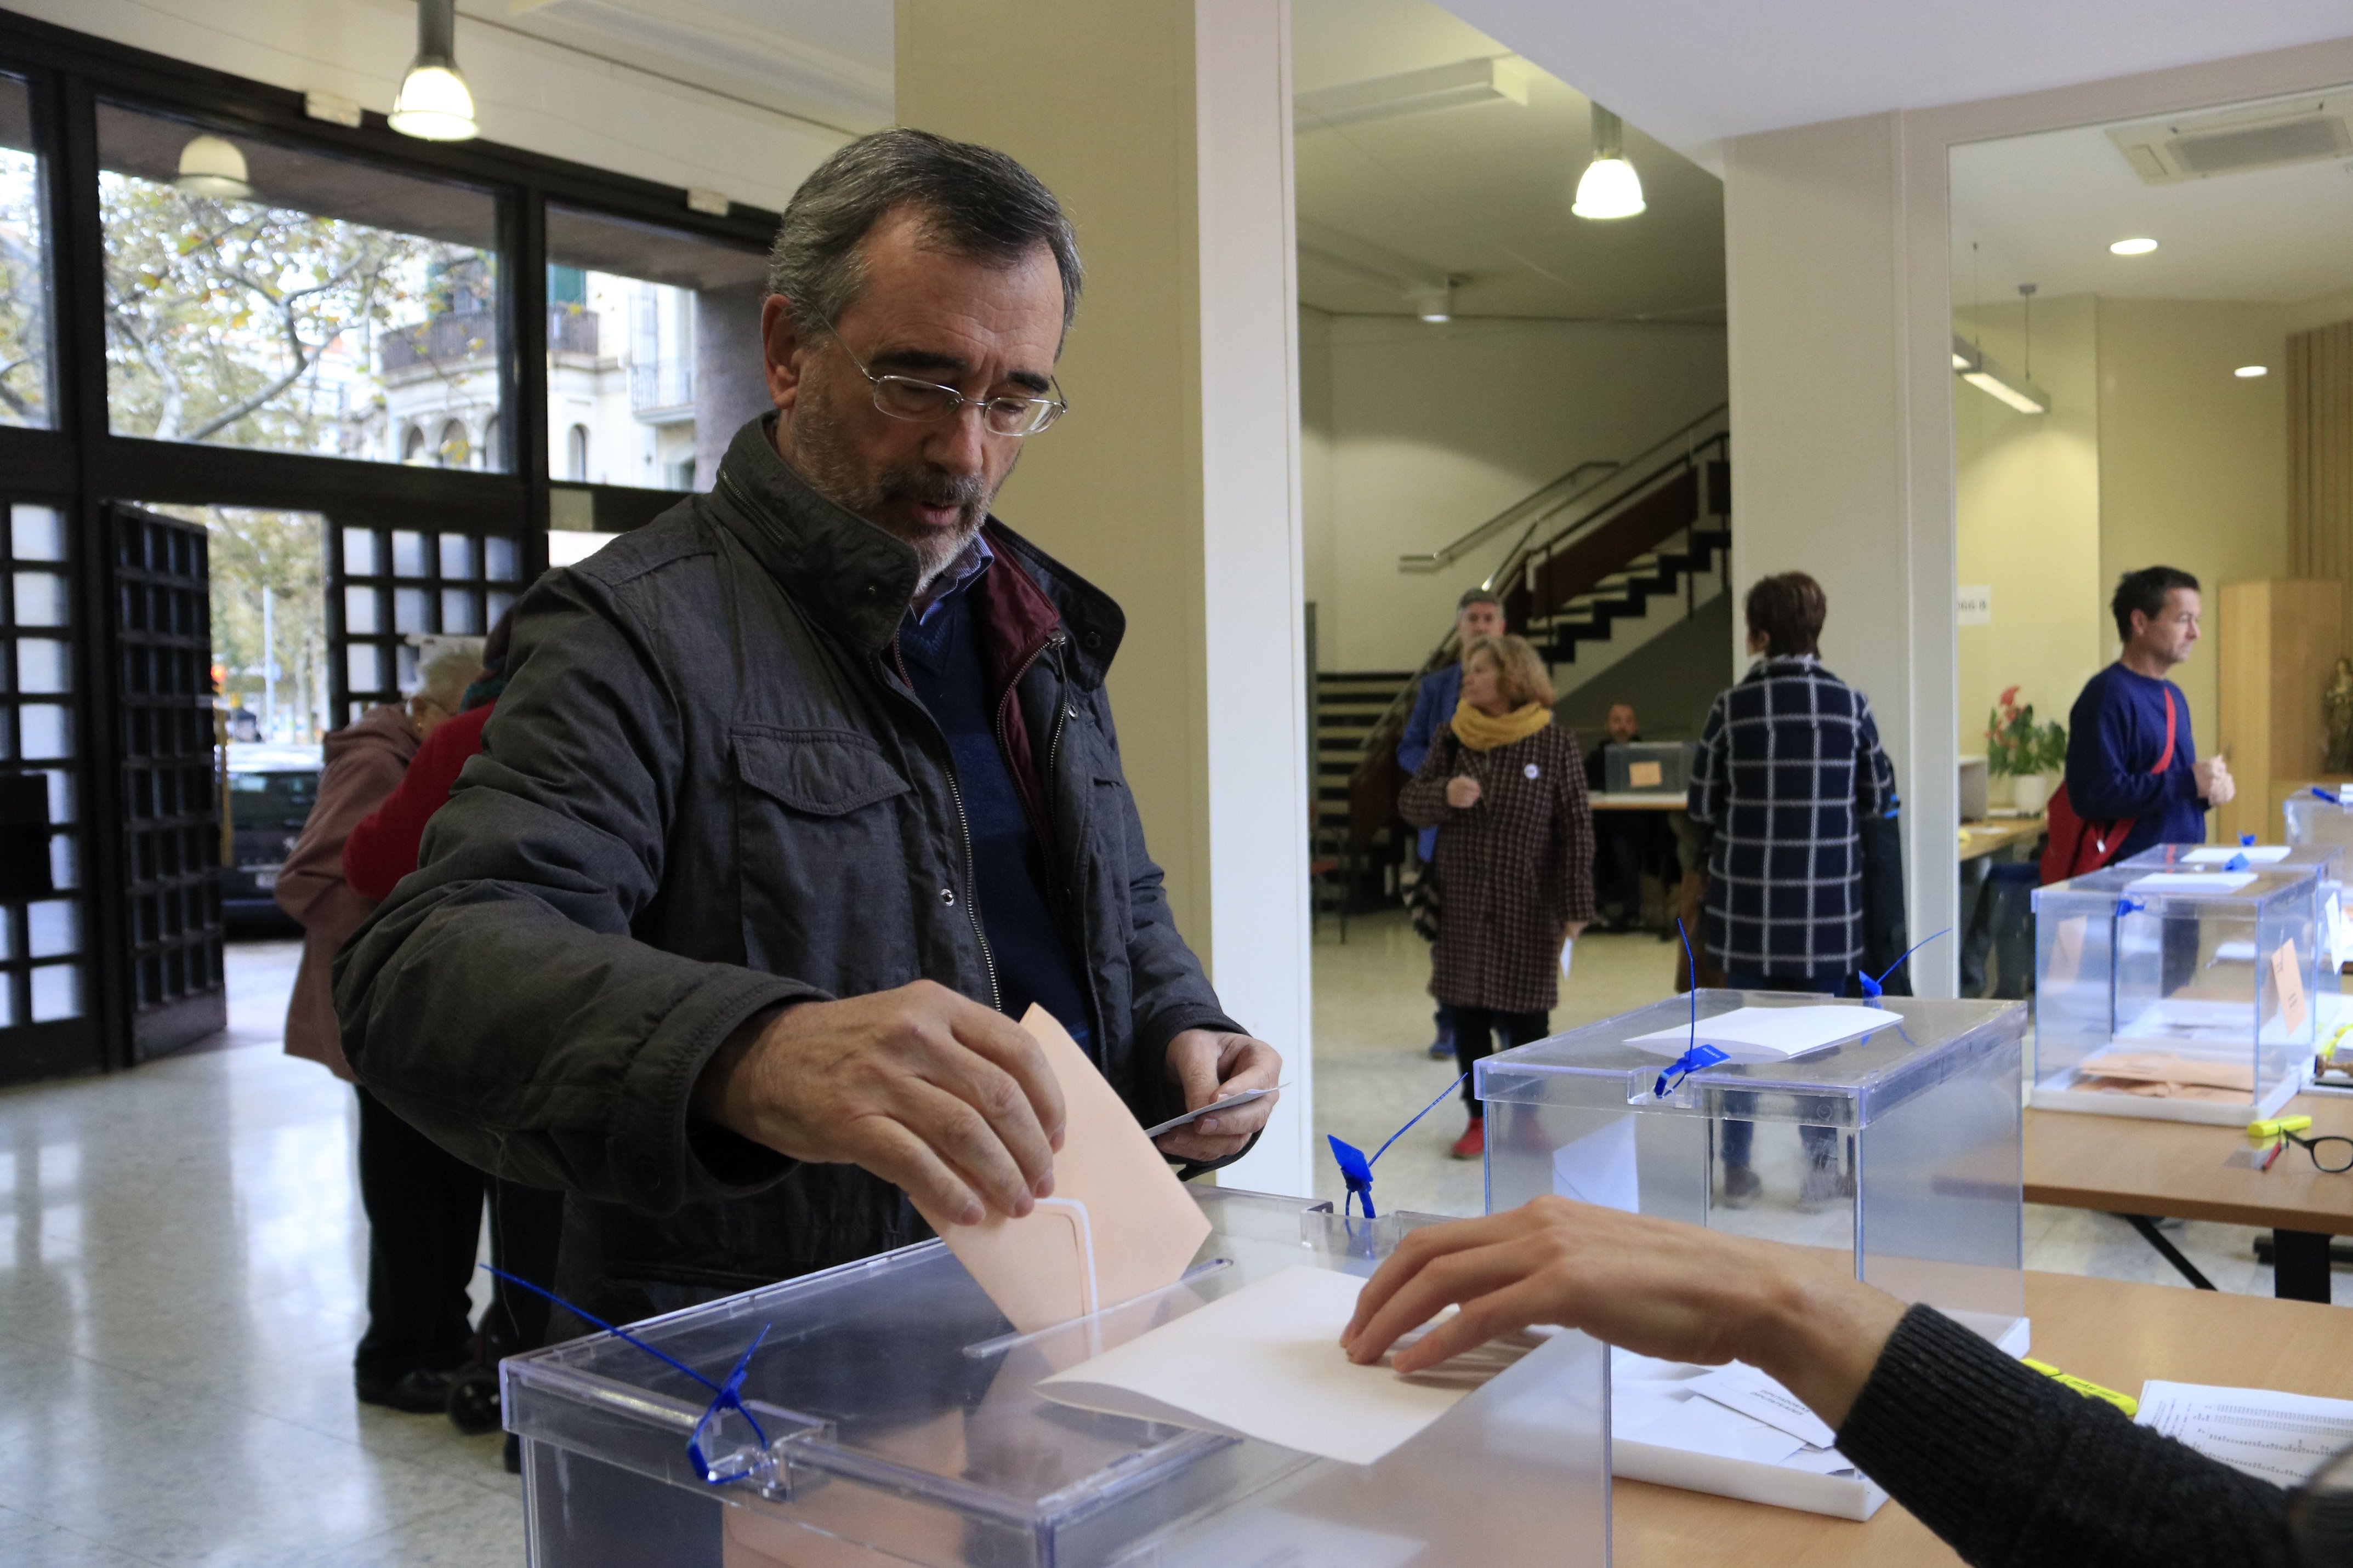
{"x": 1609, "y": 189}
{"x": 213, "y": 166}
{"x": 433, "y": 105}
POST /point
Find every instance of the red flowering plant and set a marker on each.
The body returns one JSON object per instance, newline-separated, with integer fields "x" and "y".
{"x": 2016, "y": 745}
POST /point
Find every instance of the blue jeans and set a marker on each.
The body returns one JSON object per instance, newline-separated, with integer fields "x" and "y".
{"x": 1739, "y": 1136}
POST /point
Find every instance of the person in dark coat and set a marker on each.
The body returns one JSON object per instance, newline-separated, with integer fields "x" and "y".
{"x": 1790, "y": 768}
{"x": 1477, "y": 614}
{"x": 798, "y": 795}
{"x": 1515, "y": 858}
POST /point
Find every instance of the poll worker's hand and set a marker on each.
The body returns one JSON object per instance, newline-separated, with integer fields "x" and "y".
{"x": 1660, "y": 1289}
{"x": 2215, "y": 785}
{"x": 928, "y": 1089}
{"x": 1463, "y": 792}
{"x": 1208, "y": 1065}
{"x": 1573, "y": 930}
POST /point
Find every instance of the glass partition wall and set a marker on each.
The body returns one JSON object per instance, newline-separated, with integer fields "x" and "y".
{"x": 335, "y": 386}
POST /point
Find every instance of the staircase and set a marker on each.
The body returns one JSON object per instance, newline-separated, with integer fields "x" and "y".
{"x": 1591, "y": 555}
{"x": 1348, "y": 708}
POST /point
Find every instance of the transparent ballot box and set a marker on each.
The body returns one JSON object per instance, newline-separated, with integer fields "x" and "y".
{"x": 1897, "y": 1151}
{"x": 2318, "y": 816}
{"x": 2187, "y": 994}
{"x": 2325, "y": 858}
{"x": 901, "y": 1425}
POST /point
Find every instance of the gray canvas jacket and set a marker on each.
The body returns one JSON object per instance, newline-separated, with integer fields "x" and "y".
{"x": 707, "y": 790}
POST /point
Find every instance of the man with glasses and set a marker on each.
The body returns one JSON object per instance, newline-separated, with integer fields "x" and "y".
{"x": 799, "y": 796}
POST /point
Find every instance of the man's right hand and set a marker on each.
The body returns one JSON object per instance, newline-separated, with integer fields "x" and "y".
{"x": 2215, "y": 785}
{"x": 928, "y": 1089}
{"x": 1463, "y": 792}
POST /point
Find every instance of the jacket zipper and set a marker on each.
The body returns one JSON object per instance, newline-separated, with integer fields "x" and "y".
{"x": 964, "y": 830}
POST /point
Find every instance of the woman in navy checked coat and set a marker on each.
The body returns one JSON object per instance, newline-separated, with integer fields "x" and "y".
{"x": 1790, "y": 765}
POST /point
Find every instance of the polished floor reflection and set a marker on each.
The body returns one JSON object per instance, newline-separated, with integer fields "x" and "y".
{"x": 182, "y": 1268}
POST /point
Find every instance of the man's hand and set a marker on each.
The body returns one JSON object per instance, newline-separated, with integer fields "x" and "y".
{"x": 1209, "y": 1067}
{"x": 928, "y": 1089}
{"x": 2215, "y": 785}
{"x": 1659, "y": 1289}
{"x": 1463, "y": 792}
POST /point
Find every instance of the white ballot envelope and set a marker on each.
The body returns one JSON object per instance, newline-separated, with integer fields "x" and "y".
{"x": 1119, "y": 1225}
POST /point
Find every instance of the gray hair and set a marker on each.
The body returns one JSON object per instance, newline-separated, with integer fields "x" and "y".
{"x": 976, "y": 201}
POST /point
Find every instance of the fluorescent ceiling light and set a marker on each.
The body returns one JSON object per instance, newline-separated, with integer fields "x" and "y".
{"x": 1503, "y": 78}
{"x": 434, "y": 104}
{"x": 1609, "y": 188}
{"x": 213, "y": 166}
{"x": 2249, "y": 372}
{"x": 1972, "y": 365}
{"x": 2138, "y": 247}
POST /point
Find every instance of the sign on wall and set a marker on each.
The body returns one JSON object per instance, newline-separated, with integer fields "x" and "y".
{"x": 1976, "y": 604}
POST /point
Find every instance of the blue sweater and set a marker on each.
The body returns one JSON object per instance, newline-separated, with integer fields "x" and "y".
{"x": 2114, "y": 736}
{"x": 1035, "y": 962}
{"x": 1434, "y": 701}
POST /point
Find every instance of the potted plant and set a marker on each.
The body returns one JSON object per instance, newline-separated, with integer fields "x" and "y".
{"x": 2023, "y": 752}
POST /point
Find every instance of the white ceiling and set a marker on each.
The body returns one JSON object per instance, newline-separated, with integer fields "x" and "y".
{"x": 828, "y": 61}
{"x": 2043, "y": 210}
{"x": 1482, "y": 191}
{"x": 1696, "y": 72}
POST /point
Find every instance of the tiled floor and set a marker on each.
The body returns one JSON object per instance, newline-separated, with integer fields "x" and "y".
{"x": 181, "y": 1265}
{"x": 182, "y": 1276}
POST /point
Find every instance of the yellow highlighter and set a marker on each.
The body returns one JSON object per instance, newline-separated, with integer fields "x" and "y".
{"x": 2124, "y": 1402}
{"x": 2265, "y": 1131}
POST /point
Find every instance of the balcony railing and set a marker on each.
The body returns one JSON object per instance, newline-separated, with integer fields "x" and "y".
{"x": 664, "y": 383}
{"x": 472, "y": 335}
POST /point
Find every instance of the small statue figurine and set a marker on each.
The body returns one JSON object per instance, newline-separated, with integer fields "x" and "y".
{"x": 2336, "y": 706}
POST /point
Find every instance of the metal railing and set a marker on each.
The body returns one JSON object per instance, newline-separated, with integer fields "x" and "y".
{"x": 459, "y": 336}
{"x": 663, "y": 384}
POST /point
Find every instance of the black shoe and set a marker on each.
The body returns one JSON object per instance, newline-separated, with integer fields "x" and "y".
{"x": 473, "y": 1402}
{"x": 419, "y": 1392}
{"x": 514, "y": 1455}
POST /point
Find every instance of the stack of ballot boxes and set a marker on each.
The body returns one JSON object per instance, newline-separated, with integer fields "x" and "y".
{"x": 900, "y": 1422}
{"x": 1895, "y": 1150}
{"x": 2184, "y": 992}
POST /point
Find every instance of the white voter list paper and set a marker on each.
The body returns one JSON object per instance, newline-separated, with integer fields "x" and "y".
{"x": 1769, "y": 1033}
{"x": 2223, "y": 853}
{"x": 1266, "y": 1363}
{"x": 2282, "y": 1437}
{"x": 2191, "y": 882}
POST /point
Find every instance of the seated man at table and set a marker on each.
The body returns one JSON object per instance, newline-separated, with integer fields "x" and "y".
{"x": 2006, "y": 1465}
{"x": 1626, "y": 844}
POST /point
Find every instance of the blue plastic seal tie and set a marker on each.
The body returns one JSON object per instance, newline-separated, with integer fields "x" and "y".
{"x": 2127, "y": 905}
{"x": 724, "y": 1396}
{"x": 2235, "y": 863}
{"x": 1873, "y": 989}
{"x": 2328, "y": 795}
{"x": 1357, "y": 1172}
{"x": 1684, "y": 1066}
{"x": 2247, "y": 840}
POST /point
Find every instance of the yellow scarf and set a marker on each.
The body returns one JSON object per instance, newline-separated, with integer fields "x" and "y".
{"x": 1482, "y": 733}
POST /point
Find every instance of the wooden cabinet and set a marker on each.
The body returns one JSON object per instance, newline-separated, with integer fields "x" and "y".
{"x": 2279, "y": 641}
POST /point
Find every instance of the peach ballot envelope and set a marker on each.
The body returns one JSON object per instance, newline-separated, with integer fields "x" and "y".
{"x": 1119, "y": 1224}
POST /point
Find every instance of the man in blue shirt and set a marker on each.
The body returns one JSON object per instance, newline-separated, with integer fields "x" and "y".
{"x": 1477, "y": 614}
{"x": 2119, "y": 765}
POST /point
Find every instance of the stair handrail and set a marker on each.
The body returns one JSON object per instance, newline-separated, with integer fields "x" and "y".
{"x": 1679, "y": 449}
{"x": 1543, "y": 504}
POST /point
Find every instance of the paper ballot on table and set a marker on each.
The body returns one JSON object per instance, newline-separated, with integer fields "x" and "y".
{"x": 1266, "y": 1363}
{"x": 1120, "y": 1223}
{"x": 2281, "y": 1437}
{"x": 2191, "y": 882}
{"x": 1769, "y": 1033}
{"x": 2222, "y": 854}
{"x": 1742, "y": 1387}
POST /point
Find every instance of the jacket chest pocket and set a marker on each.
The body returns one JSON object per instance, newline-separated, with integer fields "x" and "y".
{"x": 822, "y": 843}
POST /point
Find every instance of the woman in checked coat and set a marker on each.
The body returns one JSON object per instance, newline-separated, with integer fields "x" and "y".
{"x": 1516, "y": 863}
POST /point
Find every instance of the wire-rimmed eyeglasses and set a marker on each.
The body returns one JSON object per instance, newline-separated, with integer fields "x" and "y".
{"x": 926, "y": 402}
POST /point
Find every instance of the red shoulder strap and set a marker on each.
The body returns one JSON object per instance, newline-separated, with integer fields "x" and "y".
{"x": 2166, "y": 760}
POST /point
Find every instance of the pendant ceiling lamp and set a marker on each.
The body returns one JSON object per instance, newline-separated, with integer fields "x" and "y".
{"x": 213, "y": 166}
{"x": 434, "y": 105}
{"x": 1609, "y": 187}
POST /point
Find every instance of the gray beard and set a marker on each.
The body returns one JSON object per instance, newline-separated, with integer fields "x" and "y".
{"x": 826, "y": 462}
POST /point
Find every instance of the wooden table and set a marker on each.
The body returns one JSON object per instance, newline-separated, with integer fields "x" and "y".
{"x": 1638, "y": 800}
{"x": 2114, "y": 1333}
{"x": 2132, "y": 1166}
{"x": 1984, "y": 838}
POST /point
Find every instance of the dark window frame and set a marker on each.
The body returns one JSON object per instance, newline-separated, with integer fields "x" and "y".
{"x": 80, "y": 465}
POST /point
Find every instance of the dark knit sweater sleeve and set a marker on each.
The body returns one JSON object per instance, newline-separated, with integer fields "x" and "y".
{"x": 2013, "y": 1470}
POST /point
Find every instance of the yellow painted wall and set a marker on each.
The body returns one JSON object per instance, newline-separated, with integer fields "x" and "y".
{"x": 2193, "y": 460}
{"x": 1098, "y": 101}
{"x": 2027, "y": 487}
